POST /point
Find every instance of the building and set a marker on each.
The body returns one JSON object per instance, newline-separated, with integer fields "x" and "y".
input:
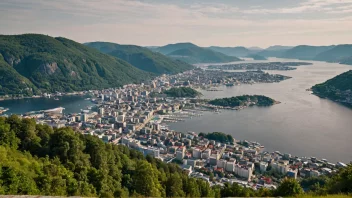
{"x": 196, "y": 153}
{"x": 263, "y": 166}
{"x": 180, "y": 154}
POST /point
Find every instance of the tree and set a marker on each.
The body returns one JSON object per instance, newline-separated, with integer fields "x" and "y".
{"x": 145, "y": 180}
{"x": 289, "y": 187}
{"x": 174, "y": 186}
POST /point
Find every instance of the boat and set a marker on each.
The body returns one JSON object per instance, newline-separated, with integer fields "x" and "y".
{"x": 55, "y": 110}
{"x": 56, "y": 98}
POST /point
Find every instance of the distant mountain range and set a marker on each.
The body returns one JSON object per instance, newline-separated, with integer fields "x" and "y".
{"x": 32, "y": 64}
{"x": 192, "y": 54}
{"x": 142, "y": 58}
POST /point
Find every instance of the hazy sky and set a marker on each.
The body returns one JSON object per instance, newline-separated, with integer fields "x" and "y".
{"x": 203, "y": 22}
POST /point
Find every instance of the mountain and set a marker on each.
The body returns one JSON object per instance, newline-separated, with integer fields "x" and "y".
{"x": 305, "y": 52}
{"x": 194, "y": 55}
{"x": 254, "y": 48}
{"x": 338, "y": 89}
{"x": 33, "y": 63}
{"x": 167, "y": 49}
{"x": 142, "y": 58}
{"x": 231, "y": 51}
{"x": 278, "y": 47}
{"x": 257, "y": 57}
{"x": 272, "y": 53}
{"x": 347, "y": 61}
{"x": 338, "y": 53}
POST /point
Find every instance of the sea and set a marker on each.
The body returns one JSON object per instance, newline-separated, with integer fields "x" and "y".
{"x": 301, "y": 125}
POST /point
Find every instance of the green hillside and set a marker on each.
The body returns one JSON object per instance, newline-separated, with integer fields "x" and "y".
{"x": 48, "y": 64}
{"x": 39, "y": 160}
{"x": 142, "y": 58}
{"x": 336, "y": 54}
{"x": 338, "y": 89}
{"x": 167, "y": 49}
{"x": 232, "y": 51}
{"x": 201, "y": 55}
{"x": 305, "y": 52}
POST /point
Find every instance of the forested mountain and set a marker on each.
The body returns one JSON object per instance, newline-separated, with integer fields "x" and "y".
{"x": 38, "y": 160}
{"x": 232, "y": 51}
{"x": 33, "y": 63}
{"x": 190, "y": 53}
{"x": 278, "y": 47}
{"x": 305, "y": 52}
{"x": 338, "y": 89}
{"x": 167, "y": 49}
{"x": 201, "y": 55}
{"x": 142, "y": 58}
{"x": 337, "y": 54}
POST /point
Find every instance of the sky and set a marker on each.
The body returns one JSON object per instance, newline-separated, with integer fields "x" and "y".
{"x": 204, "y": 22}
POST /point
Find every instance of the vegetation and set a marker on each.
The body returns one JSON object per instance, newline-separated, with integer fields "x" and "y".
{"x": 218, "y": 136}
{"x": 257, "y": 57}
{"x": 182, "y": 92}
{"x": 38, "y": 160}
{"x": 245, "y": 100}
{"x": 232, "y": 51}
{"x": 190, "y": 53}
{"x": 32, "y": 64}
{"x": 201, "y": 55}
{"x": 142, "y": 58}
{"x": 305, "y": 52}
{"x": 338, "y": 89}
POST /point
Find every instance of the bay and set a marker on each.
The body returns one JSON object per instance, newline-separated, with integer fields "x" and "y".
{"x": 302, "y": 125}
{"x": 72, "y": 104}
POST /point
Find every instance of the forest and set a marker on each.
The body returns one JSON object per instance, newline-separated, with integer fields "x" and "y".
{"x": 39, "y": 160}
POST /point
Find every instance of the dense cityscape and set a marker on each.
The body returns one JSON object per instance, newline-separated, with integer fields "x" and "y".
{"x": 136, "y": 116}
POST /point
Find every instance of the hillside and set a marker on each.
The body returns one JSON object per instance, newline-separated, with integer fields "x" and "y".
{"x": 338, "y": 89}
{"x": 231, "y": 51}
{"x": 201, "y": 55}
{"x": 278, "y": 47}
{"x": 305, "y": 52}
{"x": 272, "y": 53}
{"x": 167, "y": 49}
{"x": 48, "y": 64}
{"x": 336, "y": 54}
{"x": 142, "y": 58}
{"x": 257, "y": 57}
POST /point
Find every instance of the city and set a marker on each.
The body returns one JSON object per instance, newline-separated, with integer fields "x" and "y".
{"x": 136, "y": 116}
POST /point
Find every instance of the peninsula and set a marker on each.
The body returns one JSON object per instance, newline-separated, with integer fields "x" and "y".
{"x": 338, "y": 89}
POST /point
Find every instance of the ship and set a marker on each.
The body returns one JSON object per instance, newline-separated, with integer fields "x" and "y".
{"x": 55, "y": 110}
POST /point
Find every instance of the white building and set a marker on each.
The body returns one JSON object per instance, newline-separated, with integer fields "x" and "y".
{"x": 196, "y": 153}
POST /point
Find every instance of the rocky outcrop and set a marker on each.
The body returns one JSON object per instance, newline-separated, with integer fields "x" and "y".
{"x": 48, "y": 68}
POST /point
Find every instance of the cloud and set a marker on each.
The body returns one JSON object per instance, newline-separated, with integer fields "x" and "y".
{"x": 139, "y": 22}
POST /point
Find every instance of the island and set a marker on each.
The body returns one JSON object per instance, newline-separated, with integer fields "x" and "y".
{"x": 182, "y": 92}
{"x": 218, "y": 136}
{"x": 243, "y": 101}
{"x": 281, "y": 66}
{"x": 338, "y": 89}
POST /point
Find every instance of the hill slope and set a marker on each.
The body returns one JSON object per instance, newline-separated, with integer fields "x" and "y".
{"x": 201, "y": 55}
{"x": 338, "y": 89}
{"x": 336, "y": 54}
{"x": 142, "y": 58}
{"x": 50, "y": 64}
{"x": 305, "y": 52}
{"x": 231, "y": 51}
{"x": 167, "y": 49}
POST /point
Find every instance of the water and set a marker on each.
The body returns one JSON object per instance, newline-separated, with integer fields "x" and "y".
{"x": 303, "y": 124}
{"x": 72, "y": 104}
